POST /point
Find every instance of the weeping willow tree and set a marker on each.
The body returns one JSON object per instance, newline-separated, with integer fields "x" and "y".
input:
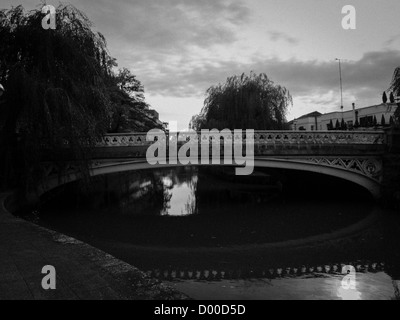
{"x": 247, "y": 102}
{"x": 56, "y": 103}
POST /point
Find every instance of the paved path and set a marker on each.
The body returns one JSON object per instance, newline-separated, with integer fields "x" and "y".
{"x": 82, "y": 271}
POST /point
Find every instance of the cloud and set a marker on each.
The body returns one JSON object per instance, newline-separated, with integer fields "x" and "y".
{"x": 179, "y": 48}
{"x": 277, "y": 36}
{"x": 169, "y": 26}
{"x": 165, "y": 41}
{"x": 363, "y": 79}
{"x": 391, "y": 40}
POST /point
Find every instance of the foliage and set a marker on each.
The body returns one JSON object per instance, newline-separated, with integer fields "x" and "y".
{"x": 61, "y": 93}
{"x": 55, "y": 84}
{"x": 128, "y": 83}
{"x": 357, "y": 123}
{"x": 247, "y": 102}
{"x": 392, "y": 100}
{"x": 337, "y": 125}
{"x": 384, "y": 97}
{"x": 396, "y": 115}
{"x": 130, "y": 111}
{"x": 395, "y": 88}
{"x": 395, "y": 84}
{"x": 330, "y": 125}
{"x": 343, "y": 125}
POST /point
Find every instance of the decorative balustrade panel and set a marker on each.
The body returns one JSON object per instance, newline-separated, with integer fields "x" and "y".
{"x": 260, "y": 137}
{"x": 298, "y": 137}
{"x": 370, "y": 167}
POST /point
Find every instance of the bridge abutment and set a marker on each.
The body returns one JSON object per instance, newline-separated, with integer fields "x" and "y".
{"x": 391, "y": 172}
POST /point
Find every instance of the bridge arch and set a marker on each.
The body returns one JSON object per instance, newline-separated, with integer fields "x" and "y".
{"x": 372, "y": 185}
{"x": 368, "y": 183}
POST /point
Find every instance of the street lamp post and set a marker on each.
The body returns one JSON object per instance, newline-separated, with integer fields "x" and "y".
{"x": 341, "y": 87}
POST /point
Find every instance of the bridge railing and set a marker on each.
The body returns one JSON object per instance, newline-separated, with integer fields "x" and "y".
{"x": 260, "y": 138}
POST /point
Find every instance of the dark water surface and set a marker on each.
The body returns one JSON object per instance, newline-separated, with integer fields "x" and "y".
{"x": 207, "y": 231}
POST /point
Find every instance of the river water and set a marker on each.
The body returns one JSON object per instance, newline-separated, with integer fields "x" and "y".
{"x": 214, "y": 235}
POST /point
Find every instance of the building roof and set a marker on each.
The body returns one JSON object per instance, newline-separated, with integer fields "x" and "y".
{"x": 311, "y": 115}
{"x": 317, "y": 114}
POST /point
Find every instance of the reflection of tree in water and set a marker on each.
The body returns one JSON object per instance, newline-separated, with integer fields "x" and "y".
{"x": 128, "y": 193}
{"x": 149, "y": 192}
{"x": 191, "y": 204}
{"x": 179, "y": 175}
{"x": 185, "y": 177}
{"x": 143, "y": 193}
{"x": 219, "y": 190}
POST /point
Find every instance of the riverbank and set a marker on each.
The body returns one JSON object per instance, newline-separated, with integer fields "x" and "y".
{"x": 82, "y": 271}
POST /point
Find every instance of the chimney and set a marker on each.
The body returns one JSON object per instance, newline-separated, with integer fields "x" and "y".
{"x": 354, "y": 106}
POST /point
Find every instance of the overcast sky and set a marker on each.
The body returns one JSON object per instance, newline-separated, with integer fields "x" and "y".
{"x": 179, "y": 48}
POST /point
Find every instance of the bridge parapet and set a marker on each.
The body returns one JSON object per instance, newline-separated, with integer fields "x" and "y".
{"x": 266, "y": 143}
{"x": 260, "y": 137}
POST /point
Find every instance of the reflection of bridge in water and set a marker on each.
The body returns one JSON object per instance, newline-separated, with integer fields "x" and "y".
{"x": 349, "y": 155}
{"x": 267, "y": 273}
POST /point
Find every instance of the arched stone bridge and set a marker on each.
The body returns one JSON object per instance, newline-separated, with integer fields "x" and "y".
{"x": 351, "y": 155}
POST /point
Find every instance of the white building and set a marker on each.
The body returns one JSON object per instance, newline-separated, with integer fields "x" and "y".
{"x": 307, "y": 122}
{"x": 365, "y": 118}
